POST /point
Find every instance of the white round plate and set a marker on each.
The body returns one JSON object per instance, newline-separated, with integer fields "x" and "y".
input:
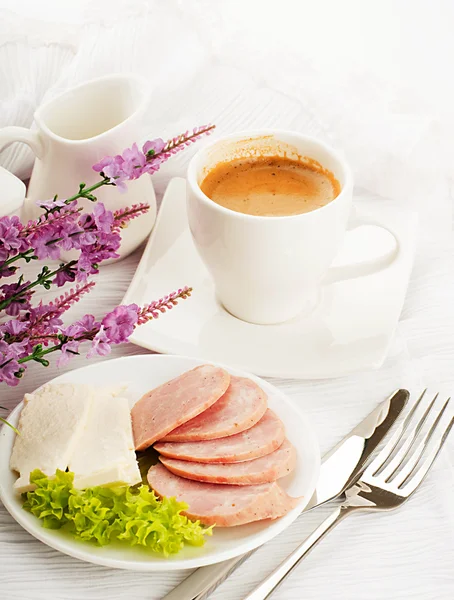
{"x": 143, "y": 373}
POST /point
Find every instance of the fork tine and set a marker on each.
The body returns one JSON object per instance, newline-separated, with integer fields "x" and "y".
{"x": 384, "y": 455}
{"x": 416, "y": 476}
{"x": 402, "y": 474}
{"x": 391, "y": 469}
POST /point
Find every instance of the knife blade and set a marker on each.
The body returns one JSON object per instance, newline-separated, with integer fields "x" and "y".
{"x": 341, "y": 467}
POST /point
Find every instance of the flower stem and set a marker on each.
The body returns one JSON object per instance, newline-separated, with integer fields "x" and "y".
{"x": 39, "y": 281}
{"x": 40, "y": 355}
{"x": 89, "y": 335}
{"x": 85, "y": 192}
{"x": 25, "y": 254}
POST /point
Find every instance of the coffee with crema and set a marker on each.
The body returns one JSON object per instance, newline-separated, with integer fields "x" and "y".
{"x": 270, "y": 186}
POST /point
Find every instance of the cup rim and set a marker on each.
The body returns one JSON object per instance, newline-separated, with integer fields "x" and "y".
{"x": 192, "y": 175}
{"x": 38, "y": 117}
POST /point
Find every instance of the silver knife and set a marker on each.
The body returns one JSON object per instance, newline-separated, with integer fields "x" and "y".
{"x": 341, "y": 467}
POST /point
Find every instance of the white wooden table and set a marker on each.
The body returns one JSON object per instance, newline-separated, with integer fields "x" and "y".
{"x": 373, "y": 92}
{"x": 407, "y": 553}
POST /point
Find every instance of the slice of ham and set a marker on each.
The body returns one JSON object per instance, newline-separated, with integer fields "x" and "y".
{"x": 268, "y": 468}
{"x": 175, "y": 402}
{"x": 265, "y": 437}
{"x": 222, "y": 505}
{"x": 241, "y": 407}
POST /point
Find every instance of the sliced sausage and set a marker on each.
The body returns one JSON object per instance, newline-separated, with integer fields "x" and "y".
{"x": 265, "y": 437}
{"x": 268, "y": 468}
{"x": 176, "y": 402}
{"x": 241, "y": 407}
{"x": 222, "y": 505}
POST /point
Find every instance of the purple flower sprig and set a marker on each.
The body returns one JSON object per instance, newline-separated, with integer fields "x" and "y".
{"x": 36, "y": 331}
{"x": 44, "y": 320}
{"x": 123, "y": 216}
{"x": 133, "y": 163}
{"x": 154, "y": 309}
{"x": 97, "y": 237}
{"x": 115, "y": 328}
{"x": 57, "y": 227}
{"x": 183, "y": 140}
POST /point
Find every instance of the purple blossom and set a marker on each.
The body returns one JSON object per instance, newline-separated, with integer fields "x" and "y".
{"x": 105, "y": 247}
{"x": 64, "y": 276}
{"x": 155, "y": 164}
{"x": 9, "y": 353}
{"x": 120, "y": 323}
{"x": 59, "y": 231}
{"x": 154, "y": 146}
{"x": 105, "y": 162}
{"x": 43, "y": 242}
{"x": 51, "y": 204}
{"x": 10, "y": 241}
{"x": 103, "y": 218}
{"x": 7, "y": 271}
{"x": 100, "y": 344}
{"x": 86, "y": 324}
{"x": 68, "y": 350}
{"x": 19, "y": 349}
{"x": 85, "y": 267}
{"x": 18, "y": 304}
{"x": 13, "y": 327}
{"x": 87, "y": 222}
{"x": 134, "y": 162}
{"x": 43, "y": 319}
{"x": 14, "y": 337}
{"x": 8, "y": 367}
{"x": 71, "y": 235}
{"x": 112, "y": 168}
{"x": 98, "y": 242}
{"x": 77, "y": 332}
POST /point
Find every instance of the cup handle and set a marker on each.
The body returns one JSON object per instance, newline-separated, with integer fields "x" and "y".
{"x": 11, "y": 134}
{"x": 368, "y": 267}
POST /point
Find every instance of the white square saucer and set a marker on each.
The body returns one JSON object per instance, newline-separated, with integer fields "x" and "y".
{"x": 351, "y": 328}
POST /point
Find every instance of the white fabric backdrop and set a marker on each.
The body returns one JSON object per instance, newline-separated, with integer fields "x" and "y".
{"x": 373, "y": 78}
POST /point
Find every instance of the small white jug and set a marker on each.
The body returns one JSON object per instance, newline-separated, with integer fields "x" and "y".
{"x": 77, "y": 129}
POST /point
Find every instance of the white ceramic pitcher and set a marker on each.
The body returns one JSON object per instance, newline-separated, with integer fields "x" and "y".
{"x": 77, "y": 129}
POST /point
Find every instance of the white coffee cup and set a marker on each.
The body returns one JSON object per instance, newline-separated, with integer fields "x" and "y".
{"x": 269, "y": 269}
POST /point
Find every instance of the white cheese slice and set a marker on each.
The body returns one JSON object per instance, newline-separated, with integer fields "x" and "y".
{"x": 50, "y": 424}
{"x": 120, "y": 473}
{"x": 104, "y": 453}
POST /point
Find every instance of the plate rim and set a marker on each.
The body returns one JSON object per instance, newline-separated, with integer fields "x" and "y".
{"x": 76, "y": 549}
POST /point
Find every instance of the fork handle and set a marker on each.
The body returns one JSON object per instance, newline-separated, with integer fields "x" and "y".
{"x": 274, "y": 580}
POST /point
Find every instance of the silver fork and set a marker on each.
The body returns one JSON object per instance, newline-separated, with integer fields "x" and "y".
{"x": 386, "y": 484}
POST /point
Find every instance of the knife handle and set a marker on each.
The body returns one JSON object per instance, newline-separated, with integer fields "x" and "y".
{"x": 205, "y": 580}
{"x": 280, "y": 573}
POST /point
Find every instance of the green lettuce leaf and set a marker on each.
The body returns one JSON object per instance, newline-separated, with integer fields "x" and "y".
{"x": 49, "y": 502}
{"x": 133, "y": 515}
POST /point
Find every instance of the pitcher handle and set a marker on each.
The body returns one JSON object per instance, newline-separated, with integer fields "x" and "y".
{"x": 11, "y": 134}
